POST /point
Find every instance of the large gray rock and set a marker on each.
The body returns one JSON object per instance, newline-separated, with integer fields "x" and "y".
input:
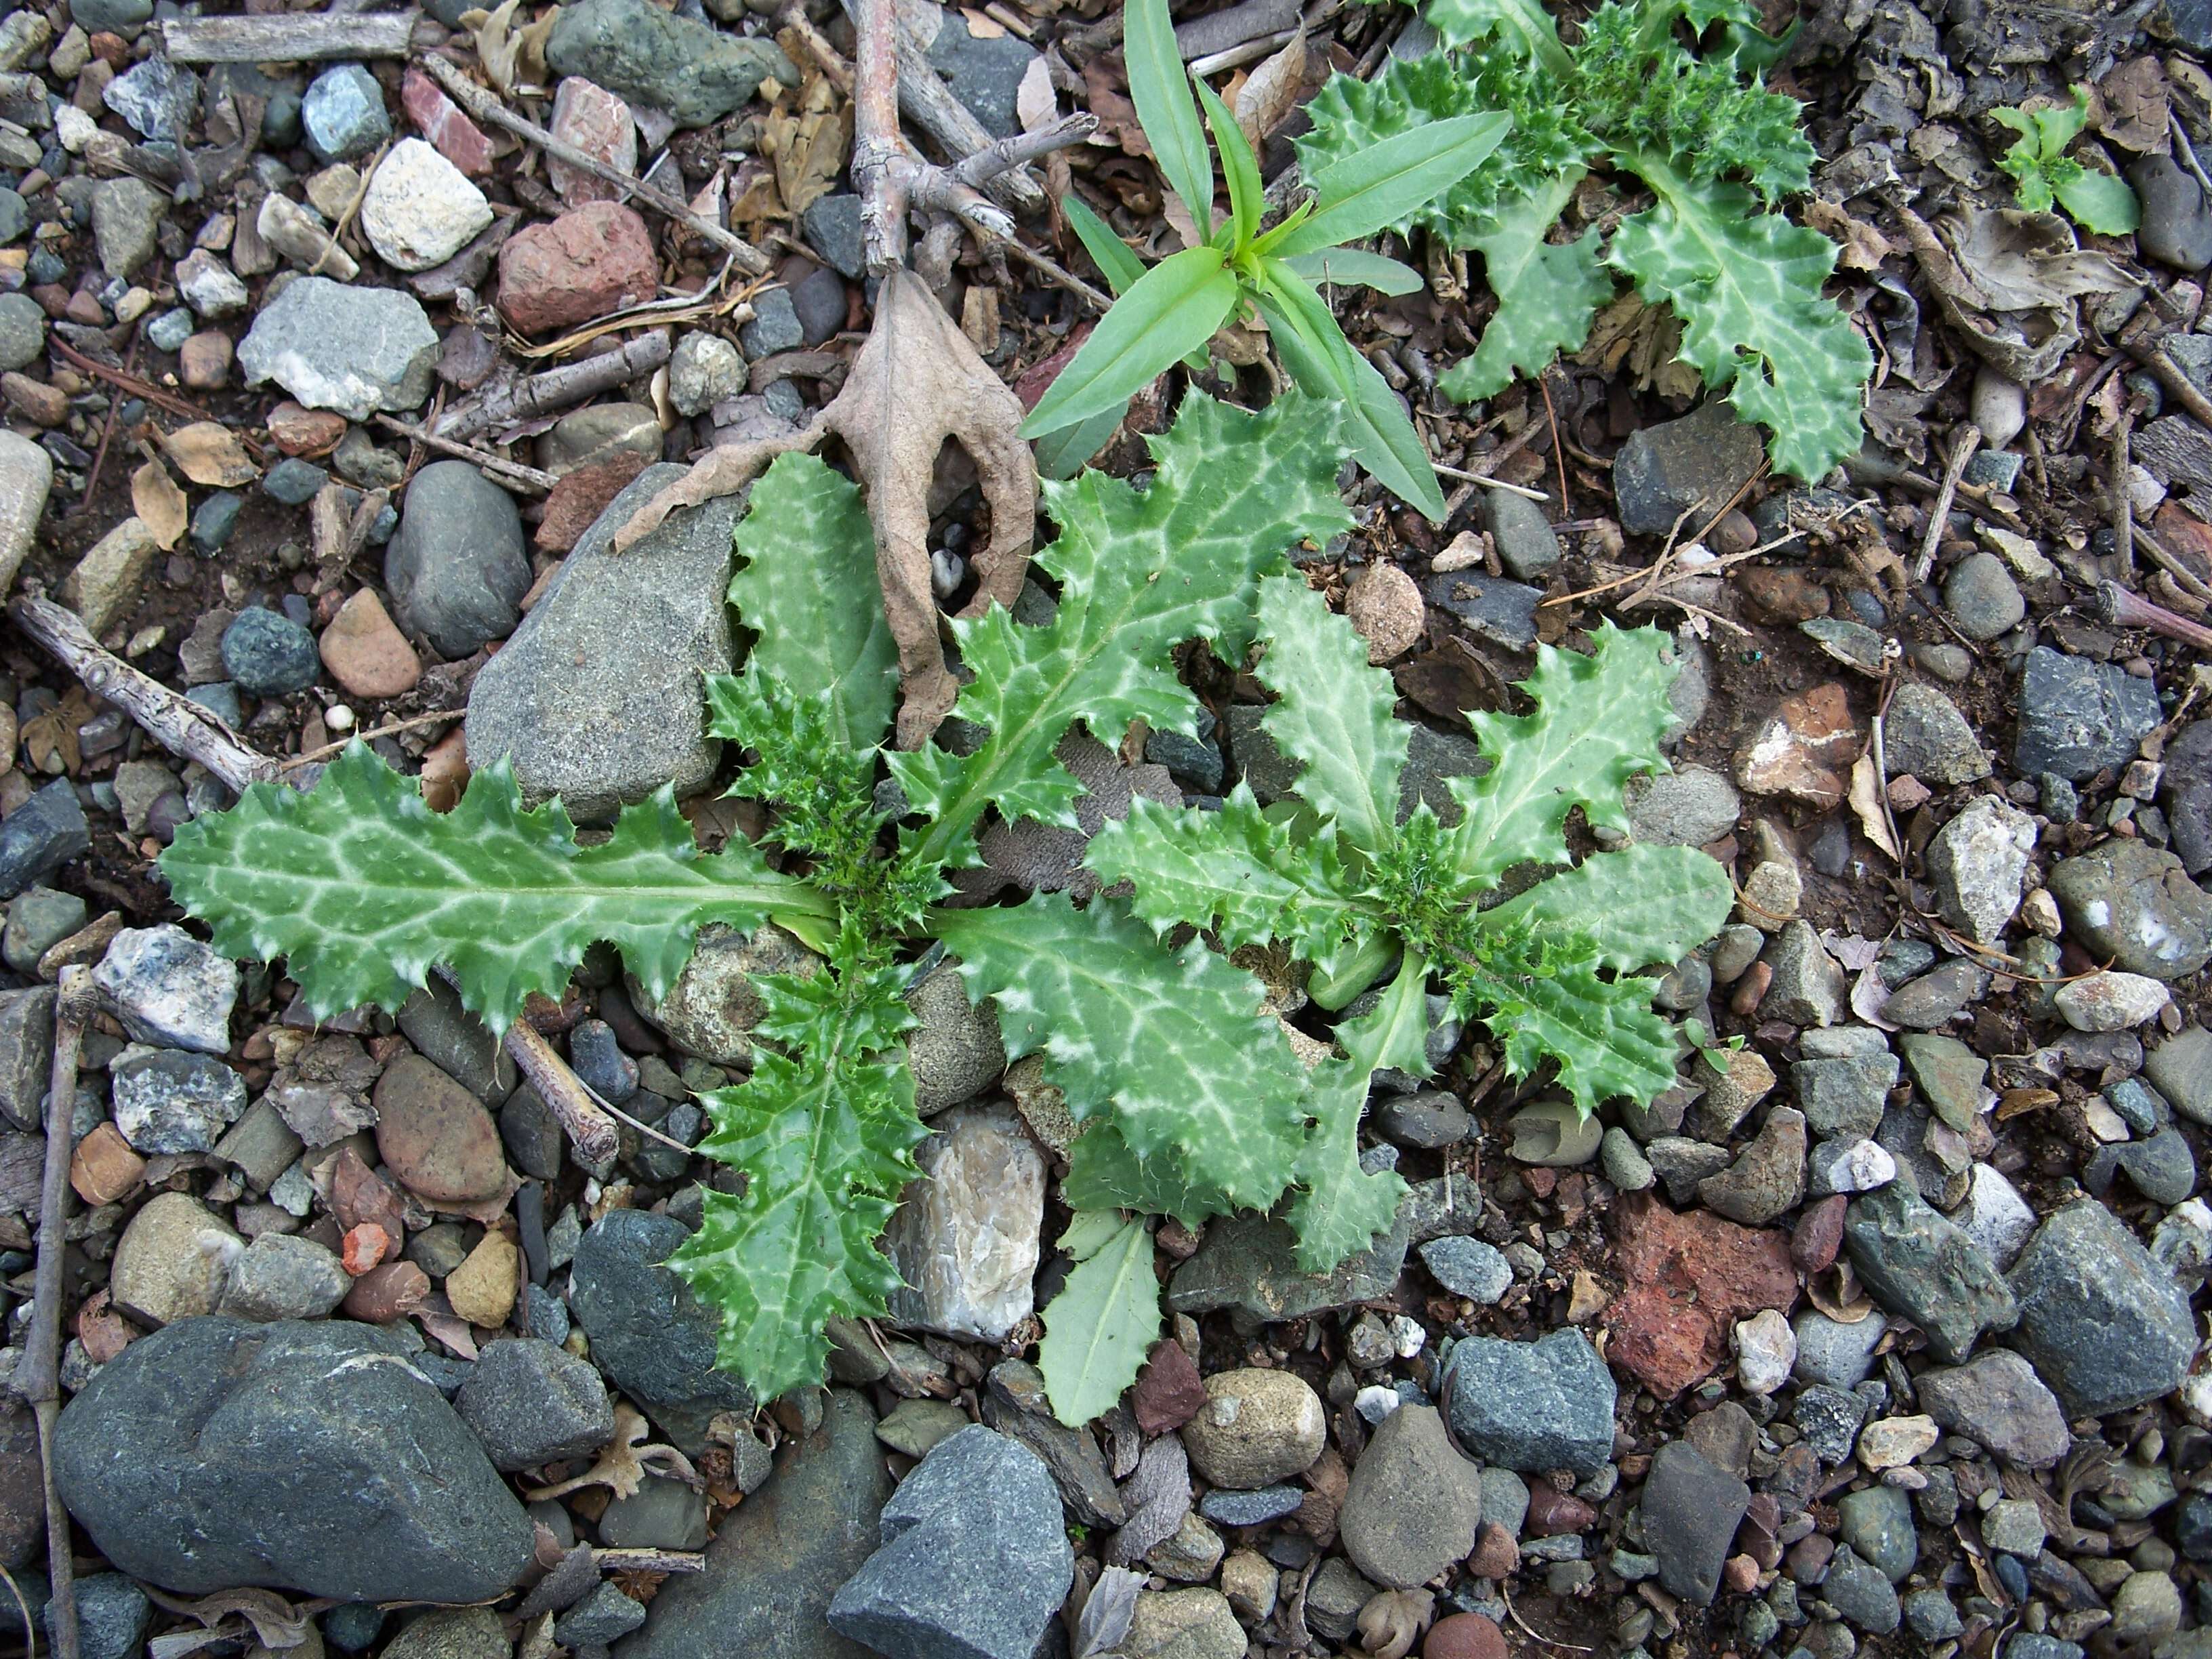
{"x": 1414, "y": 1503}
{"x": 1694, "y": 464}
{"x": 597, "y": 697}
{"x": 694, "y": 73}
{"x": 457, "y": 569}
{"x": 532, "y": 1403}
{"x": 1997, "y": 1401}
{"x": 1917, "y": 1264}
{"x": 1690, "y": 1511}
{"x": 1533, "y": 1407}
{"x": 975, "y": 1560}
{"x": 649, "y": 1334}
{"x": 214, "y": 1454}
{"x": 2104, "y": 1325}
{"x": 2135, "y": 907}
{"x": 2077, "y": 716}
{"x": 332, "y": 346}
{"x": 779, "y": 1558}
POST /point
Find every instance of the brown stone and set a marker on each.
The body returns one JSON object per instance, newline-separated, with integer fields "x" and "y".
{"x": 1495, "y": 1554}
{"x": 104, "y": 1168}
{"x": 593, "y": 259}
{"x": 435, "y": 1136}
{"x": 1385, "y": 609}
{"x": 1464, "y": 1635}
{"x": 308, "y": 432}
{"x": 483, "y": 1287}
{"x": 578, "y": 498}
{"x": 34, "y": 400}
{"x": 359, "y": 1197}
{"x": 1169, "y": 1391}
{"x": 1783, "y": 594}
{"x": 1803, "y": 748}
{"x": 1741, "y": 1575}
{"x": 204, "y": 360}
{"x": 1690, "y": 1277}
{"x": 1553, "y": 1513}
{"x": 1819, "y": 1234}
{"x": 441, "y": 121}
{"x": 366, "y": 653}
{"x": 383, "y": 1294}
{"x": 589, "y": 117}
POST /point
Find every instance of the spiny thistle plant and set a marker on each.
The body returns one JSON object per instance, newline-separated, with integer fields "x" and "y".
{"x": 1189, "y": 1098}
{"x": 2044, "y": 175}
{"x": 1169, "y": 313}
{"x": 1715, "y": 148}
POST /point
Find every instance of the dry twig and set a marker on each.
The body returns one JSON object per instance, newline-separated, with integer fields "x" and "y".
{"x": 1940, "y": 515}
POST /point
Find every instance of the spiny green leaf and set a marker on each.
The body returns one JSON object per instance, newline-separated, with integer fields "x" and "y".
{"x": 1139, "y": 573}
{"x": 1522, "y": 24}
{"x": 1172, "y": 309}
{"x": 1638, "y": 907}
{"x": 1331, "y": 712}
{"x": 362, "y": 889}
{"x": 1339, "y": 1207}
{"x": 1170, "y": 1042}
{"x": 2100, "y": 203}
{"x": 1234, "y": 873}
{"x": 1603, "y": 1034}
{"x": 1746, "y": 285}
{"x": 826, "y": 1142}
{"x": 1547, "y": 293}
{"x": 808, "y": 587}
{"x": 1103, "y": 1174}
{"x": 1596, "y": 725}
{"x": 1106, "y": 1318}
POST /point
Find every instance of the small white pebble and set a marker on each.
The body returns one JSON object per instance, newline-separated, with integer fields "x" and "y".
{"x": 1375, "y": 1402}
{"x": 338, "y": 717}
{"x": 1406, "y": 1336}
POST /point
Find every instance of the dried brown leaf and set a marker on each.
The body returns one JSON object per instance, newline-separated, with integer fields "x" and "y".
{"x": 155, "y": 498}
{"x": 1271, "y": 91}
{"x": 808, "y": 143}
{"x": 210, "y": 455}
{"x": 2134, "y": 100}
{"x": 1866, "y": 801}
{"x": 1863, "y": 246}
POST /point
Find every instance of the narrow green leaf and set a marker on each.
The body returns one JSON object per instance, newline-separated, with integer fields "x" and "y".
{"x": 1247, "y": 195}
{"x": 1173, "y": 307}
{"x": 1170, "y": 1044}
{"x": 1642, "y": 907}
{"x": 1597, "y": 724}
{"x": 1105, "y": 1319}
{"x": 1339, "y": 1207}
{"x": 1547, "y": 294}
{"x": 1160, "y": 88}
{"x": 1117, "y": 260}
{"x": 1351, "y": 264}
{"x": 826, "y": 1140}
{"x": 807, "y": 586}
{"x": 1375, "y": 188}
{"x": 1321, "y": 361}
{"x": 362, "y": 889}
{"x": 1064, "y": 452}
{"x": 1140, "y": 573}
{"x": 1331, "y": 712}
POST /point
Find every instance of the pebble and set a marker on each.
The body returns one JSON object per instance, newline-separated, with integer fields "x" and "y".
{"x": 1766, "y": 1350}
{"x": 450, "y": 1633}
{"x": 1861, "y": 1594}
{"x": 2181, "y": 1069}
{"x": 26, "y": 476}
{"x": 168, "y": 989}
{"x": 341, "y": 113}
{"x": 1976, "y": 861}
{"x": 1249, "y": 1263}
{"x": 39, "y": 918}
{"x": 1690, "y": 1511}
{"x": 967, "y": 1238}
{"x": 2077, "y": 717}
{"x": 2013, "y": 1526}
{"x": 436, "y": 1137}
{"x": 22, "y": 332}
{"x": 1807, "y": 984}
{"x": 172, "y": 1260}
{"x": 356, "y": 351}
{"x": 126, "y": 214}
{"x": 1465, "y": 1636}
{"x": 366, "y": 653}
{"x": 1532, "y": 1407}
{"x": 1767, "y": 1178}
{"x": 1834, "y": 1353}
{"x": 1691, "y": 807}
{"x": 695, "y": 73}
{"x": 204, "y": 361}
{"x": 483, "y": 1289}
{"x": 1982, "y": 597}
{"x": 1936, "y": 997}
{"x": 420, "y": 209}
{"x": 1924, "y": 736}
{"x": 532, "y": 1403}
{"x": 112, "y": 1615}
{"x": 267, "y": 654}
{"x": 2134, "y": 906}
{"x": 211, "y": 288}
{"x": 704, "y": 370}
{"x": 1702, "y": 459}
{"x": 593, "y": 259}
{"x": 457, "y": 571}
{"x": 603, "y": 1616}
{"x": 1854, "y": 1166}
{"x": 590, "y": 118}
{"x": 596, "y": 697}
{"x": 279, "y": 1276}
{"x": 1554, "y": 1134}
{"x": 1469, "y": 1267}
{"x": 2104, "y": 1325}
{"x": 1413, "y": 1504}
{"x": 1256, "y": 1428}
{"x": 41, "y": 835}
{"x": 174, "y": 1101}
{"x": 649, "y": 1334}
{"x": 973, "y": 1561}
{"x": 1527, "y": 544}
{"x": 2177, "y": 221}
{"x": 1187, "y": 1624}
{"x": 775, "y": 328}
{"x": 1250, "y": 1509}
{"x": 2111, "y": 1001}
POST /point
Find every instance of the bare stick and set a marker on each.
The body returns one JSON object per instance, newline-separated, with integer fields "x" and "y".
{"x": 481, "y": 104}
{"x": 2185, "y": 579}
{"x": 2123, "y": 517}
{"x": 1940, "y": 515}
{"x": 38, "y": 1378}
{"x": 512, "y": 474}
{"x": 1002, "y": 154}
{"x": 877, "y": 146}
{"x": 929, "y": 104}
{"x": 527, "y": 399}
{"x": 302, "y": 38}
{"x": 179, "y": 725}
{"x": 2122, "y": 608}
{"x": 563, "y": 1091}
{"x": 648, "y": 1560}
{"x": 2176, "y": 385}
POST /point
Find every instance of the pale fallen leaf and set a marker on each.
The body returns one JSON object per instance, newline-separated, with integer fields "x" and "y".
{"x": 1866, "y": 801}
{"x": 1869, "y": 998}
{"x": 210, "y": 455}
{"x": 1271, "y": 90}
{"x": 1856, "y": 954}
{"x": 1036, "y": 103}
{"x": 155, "y": 498}
{"x": 808, "y": 143}
{"x": 1862, "y": 246}
{"x": 981, "y": 26}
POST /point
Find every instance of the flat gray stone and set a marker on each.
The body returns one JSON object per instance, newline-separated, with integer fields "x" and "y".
{"x": 2104, "y": 1325}
{"x": 596, "y": 698}
{"x": 333, "y": 346}
{"x": 1533, "y": 1407}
